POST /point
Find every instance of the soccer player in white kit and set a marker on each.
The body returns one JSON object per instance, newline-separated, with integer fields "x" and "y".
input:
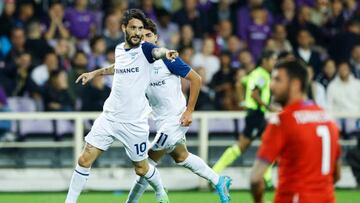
{"x": 126, "y": 111}
{"x": 172, "y": 117}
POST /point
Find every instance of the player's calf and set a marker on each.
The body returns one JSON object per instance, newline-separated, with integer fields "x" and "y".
{"x": 180, "y": 153}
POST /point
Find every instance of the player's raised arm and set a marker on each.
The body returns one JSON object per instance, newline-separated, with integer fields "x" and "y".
{"x": 163, "y": 53}
{"x": 86, "y": 77}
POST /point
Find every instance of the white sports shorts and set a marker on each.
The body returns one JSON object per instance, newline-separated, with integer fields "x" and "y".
{"x": 134, "y": 136}
{"x": 169, "y": 134}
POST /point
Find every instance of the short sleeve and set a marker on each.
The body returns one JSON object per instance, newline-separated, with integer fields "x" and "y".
{"x": 147, "y": 49}
{"x": 177, "y": 67}
{"x": 260, "y": 81}
{"x": 273, "y": 141}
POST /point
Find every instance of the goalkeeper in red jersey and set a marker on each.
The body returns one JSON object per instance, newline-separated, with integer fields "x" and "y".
{"x": 302, "y": 139}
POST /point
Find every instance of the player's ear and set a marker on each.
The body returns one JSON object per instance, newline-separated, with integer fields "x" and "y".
{"x": 296, "y": 85}
{"x": 123, "y": 27}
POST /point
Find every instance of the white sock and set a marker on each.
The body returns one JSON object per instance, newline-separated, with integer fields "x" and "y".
{"x": 200, "y": 168}
{"x": 153, "y": 177}
{"x": 78, "y": 180}
{"x": 139, "y": 187}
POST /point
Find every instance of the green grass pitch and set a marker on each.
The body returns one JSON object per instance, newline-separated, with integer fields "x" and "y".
{"x": 343, "y": 196}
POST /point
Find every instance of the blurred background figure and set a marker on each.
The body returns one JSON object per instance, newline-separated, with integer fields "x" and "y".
{"x": 207, "y": 60}
{"x": 56, "y": 95}
{"x": 94, "y": 95}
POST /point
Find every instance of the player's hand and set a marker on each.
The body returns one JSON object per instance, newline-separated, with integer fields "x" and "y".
{"x": 171, "y": 54}
{"x": 85, "y": 78}
{"x": 255, "y": 94}
{"x": 186, "y": 118}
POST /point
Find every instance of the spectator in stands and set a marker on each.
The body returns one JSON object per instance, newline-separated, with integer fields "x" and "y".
{"x": 166, "y": 29}
{"x": 97, "y": 56}
{"x": 303, "y": 22}
{"x": 41, "y": 74}
{"x": 223, "y": 83}
{"x": 187, "y": 54}
{"x": 82, "y": 23}
{"x": 222, "y": 10}
{"x": 351, "y": 9}
{"x": 25, "y": 14}
{"x": 95, "y": 95}
{"x": 320, "y": 13}
{"x": 343, "y": 92}
{"x": 342, "y": 43}
{"x": 79, "y": 66}
{"x": 305, "y": 52}
{"x": 205, "y": 100}
{"x": 196, "y": 18}
{"x": 112, "y": 33}
{"x": 257, "y": 32}
{"x": 64, "y": 50}
{"x": 55, "y": 23}
{"x": 336, "y": 19}
{"x": 18, "y": 41}
{"x": 234, "y": 47}
{"x": 35, "y": 43}
{"x": 186, "y": 37}
{"x": 327, "y": 74}
{"x": 288, "y": 12}
{"x": 207, "y": 60}
{"x": 57, "y": 96}
{"x": 147, "y": 6}
{"x": 7, "y": 18}
{"x": 355, "y": 61}
{"x": 246, "y": 61}
{"x": 224, "y": 32}
{"x": 244, "y": 17}
{"x": 279, "y": 35}
{"x": 17, "y": 79}
{"x": 316, "y": 91}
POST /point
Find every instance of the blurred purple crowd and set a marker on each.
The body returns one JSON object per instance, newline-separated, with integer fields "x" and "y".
{"x": 45, "y": 45}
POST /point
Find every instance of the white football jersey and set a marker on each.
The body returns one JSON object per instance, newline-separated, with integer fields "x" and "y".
{"x": 164, "y": 93}
{"x": 127, "y": 101}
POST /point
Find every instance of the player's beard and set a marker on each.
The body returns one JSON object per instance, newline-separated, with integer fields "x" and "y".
{"x": 283, "y": 98}
{"x": 128, "y": 39}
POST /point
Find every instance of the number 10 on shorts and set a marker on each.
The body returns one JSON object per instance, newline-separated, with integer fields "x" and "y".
{"x": 140, "y": 148}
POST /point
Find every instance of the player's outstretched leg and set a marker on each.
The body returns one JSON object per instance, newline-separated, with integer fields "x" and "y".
{"x": 227, "y": 158}
{"x": 82, "y": 172}
{"x": 152, "y": 175}
{"x": 232, "y": 153}
{"x": 183, "y": 158}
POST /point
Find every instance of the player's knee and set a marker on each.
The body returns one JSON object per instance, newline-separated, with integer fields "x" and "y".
{"x": 180, "y": 157}
{"x": 141, "y": 170}
{"x": 85, "y": 161}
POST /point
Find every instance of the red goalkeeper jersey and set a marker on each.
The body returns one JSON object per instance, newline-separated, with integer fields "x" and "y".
{"x": 303, "y": 139}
